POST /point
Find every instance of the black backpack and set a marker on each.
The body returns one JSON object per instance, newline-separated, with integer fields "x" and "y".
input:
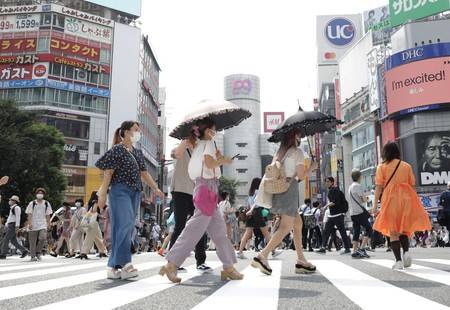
{"x": 344, "y": 202}
{"x": 23, "y": 215}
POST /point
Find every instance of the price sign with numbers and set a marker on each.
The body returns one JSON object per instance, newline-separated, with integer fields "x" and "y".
{"x": 19, "y": 22}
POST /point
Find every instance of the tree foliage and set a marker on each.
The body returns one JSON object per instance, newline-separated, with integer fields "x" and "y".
{"x": 31, "y": 154}
{"x": 228, "y": 185}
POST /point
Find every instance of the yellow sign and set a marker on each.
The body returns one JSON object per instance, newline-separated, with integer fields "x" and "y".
{"x": 94, "y": 178}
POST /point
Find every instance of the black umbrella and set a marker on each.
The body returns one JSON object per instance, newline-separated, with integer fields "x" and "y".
{"x": 308, "y": 122}
{"x": 225, "y": 115}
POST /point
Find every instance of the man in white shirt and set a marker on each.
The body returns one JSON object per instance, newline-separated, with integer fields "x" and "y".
{"x": 39, "y": 212}
{"x": 12, "y": 228}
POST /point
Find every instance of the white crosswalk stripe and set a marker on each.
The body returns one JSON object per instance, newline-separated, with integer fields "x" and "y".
{"x": 256, "y": 291}
{"x": 423, "y": 272}
{"x": 123, "y": 294}
{"x": 30, "y": 265}
{"x": 355, "y": 284}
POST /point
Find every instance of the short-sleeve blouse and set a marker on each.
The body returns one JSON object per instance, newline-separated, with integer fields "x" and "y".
{"x": 126, "y": 165}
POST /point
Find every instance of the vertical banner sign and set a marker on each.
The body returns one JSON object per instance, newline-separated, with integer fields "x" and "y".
{"x": 374, "y": 99}
{"x": 402, "y": 11}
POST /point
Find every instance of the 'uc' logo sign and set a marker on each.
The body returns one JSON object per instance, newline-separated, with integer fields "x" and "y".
{"x": 340, "y": 31}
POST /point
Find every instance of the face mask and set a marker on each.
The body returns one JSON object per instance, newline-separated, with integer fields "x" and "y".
{"x": 77, "y": 204}
{"x": 39, "y": 196}
{"x": 136, "y": 137}
{"x": 212, "y": 133}
{"x": 11, "y": 203}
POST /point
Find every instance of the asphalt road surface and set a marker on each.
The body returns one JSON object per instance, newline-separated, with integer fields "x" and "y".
{"x": 339, "y": 283}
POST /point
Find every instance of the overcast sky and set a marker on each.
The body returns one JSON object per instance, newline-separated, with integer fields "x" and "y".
{"x": 199, "y": 42}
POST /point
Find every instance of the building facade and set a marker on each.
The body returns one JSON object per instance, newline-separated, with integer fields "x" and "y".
{"x": 86, "y": 68}
{"x": 243, "y": 90}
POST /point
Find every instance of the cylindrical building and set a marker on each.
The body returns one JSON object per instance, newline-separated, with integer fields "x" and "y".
{"x": 243, "y": 90}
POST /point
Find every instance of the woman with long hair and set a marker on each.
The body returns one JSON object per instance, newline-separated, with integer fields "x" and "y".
{"x": 401, "y": 212}
{"x": 204, "y": 169}
{"x": 286, "y": 204}
{"x": 255, "y": 219}
{"x": 124, "y": 171}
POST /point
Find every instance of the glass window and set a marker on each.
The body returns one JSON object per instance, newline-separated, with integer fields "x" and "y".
{"x": 105, "y": 55}
{"x": 43, "y": 44}
{"x": 93, "y": 78}
{"x": 46, "y": 19}
{"x": 97, "y": 148}
{"x": 37, "y": 94}
{"x": 104, "y": 79}
{"x": 58, "y": 21}
{"x": 64, "y": 96}
{"x": 88, "y": 101}
{"x": 76, "y": 99}
{"x": 69, "y": 72}
{"x": 50, "y": 94}
{"x": 55, "y": 69}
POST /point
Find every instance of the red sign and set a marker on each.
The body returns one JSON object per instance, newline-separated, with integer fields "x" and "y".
{"x": 272, "y": 120}
{"x": 16, "y": 73}
{"x": 17, "y": 45}
{"x": 73, "y": 48}
{"x": 19, "y": 59}
{"x": 74, "y": 63}
{"x": 40, "y": 71}
{"x": 418, "y": 84}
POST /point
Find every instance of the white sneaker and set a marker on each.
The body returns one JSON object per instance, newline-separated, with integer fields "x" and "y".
{"x": 398, "y": 265}
{"x": 241, "y": 255}
{"x": 127, "y": 272}
{"x": 407, "y": 260}
{"x": 113, "y": 274}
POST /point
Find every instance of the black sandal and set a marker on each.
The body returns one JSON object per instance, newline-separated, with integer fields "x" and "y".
{"x": 258, "y": 263}
{"x": 300, "y": 268}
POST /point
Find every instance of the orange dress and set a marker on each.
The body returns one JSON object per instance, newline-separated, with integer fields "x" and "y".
{"x": 401, "y": 209}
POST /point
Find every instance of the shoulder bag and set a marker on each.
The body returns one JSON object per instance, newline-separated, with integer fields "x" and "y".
{"x": 205, "y": 198}
{"x": 365, "y": 212}
{"x": 381, "y": 195}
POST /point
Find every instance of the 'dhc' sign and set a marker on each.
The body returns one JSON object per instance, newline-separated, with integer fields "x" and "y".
{"x": 340, "y": 31}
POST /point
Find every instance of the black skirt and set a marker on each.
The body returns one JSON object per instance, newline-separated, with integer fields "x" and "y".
{"x": 256, "y": 220}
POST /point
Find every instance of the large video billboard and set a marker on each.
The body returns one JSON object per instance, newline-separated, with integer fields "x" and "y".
{"x": 433, "y": 158}
{"x": 418, "y": 84}
{"x": 379, "y": 22}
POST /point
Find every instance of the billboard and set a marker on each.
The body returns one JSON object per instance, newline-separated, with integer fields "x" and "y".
{"x": 403, "y": 11}
{"x": 132, "y": 7}
{"x": 378, "y": 21}
{"x": 433, "y": 157}
{"x": 73, "y": 48}
{"x": 272, "y": 120}
{"x": 375, "y": 58}
{"x": 88, "y": 30}
{"x": 418, "y": 53}
{"x": 17, "y": 45}
{"x": 19, "y": 22}
{"x": 38, "y": 70}
{"x": 418, "y": 84}
{"x": 335, "y": 35}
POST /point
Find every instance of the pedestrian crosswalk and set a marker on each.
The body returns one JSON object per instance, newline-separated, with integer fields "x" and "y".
{"x": 354, "y": 284}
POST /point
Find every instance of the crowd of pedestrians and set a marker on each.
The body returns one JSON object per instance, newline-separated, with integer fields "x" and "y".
{"x": 272, "y": 219}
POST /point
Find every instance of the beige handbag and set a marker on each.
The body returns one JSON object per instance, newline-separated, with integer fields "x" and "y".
{"x": 275, "y": 180}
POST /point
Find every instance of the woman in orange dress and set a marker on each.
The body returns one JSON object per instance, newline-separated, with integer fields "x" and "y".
{"x": 401, "y": 212}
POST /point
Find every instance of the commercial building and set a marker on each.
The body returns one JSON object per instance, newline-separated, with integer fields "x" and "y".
{"x": 417, "y": 108}
{"x": 85, "y": 67}
{"x": 336, "y": 34}
{"x": 243, "y": 90}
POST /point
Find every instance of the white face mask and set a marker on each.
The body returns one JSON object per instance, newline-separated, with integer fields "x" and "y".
{"x": 11, "y": 203}
{"x": 136, "y": 137}
{"x": 39, "y": 196}
{"x": 77, "y": 204}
